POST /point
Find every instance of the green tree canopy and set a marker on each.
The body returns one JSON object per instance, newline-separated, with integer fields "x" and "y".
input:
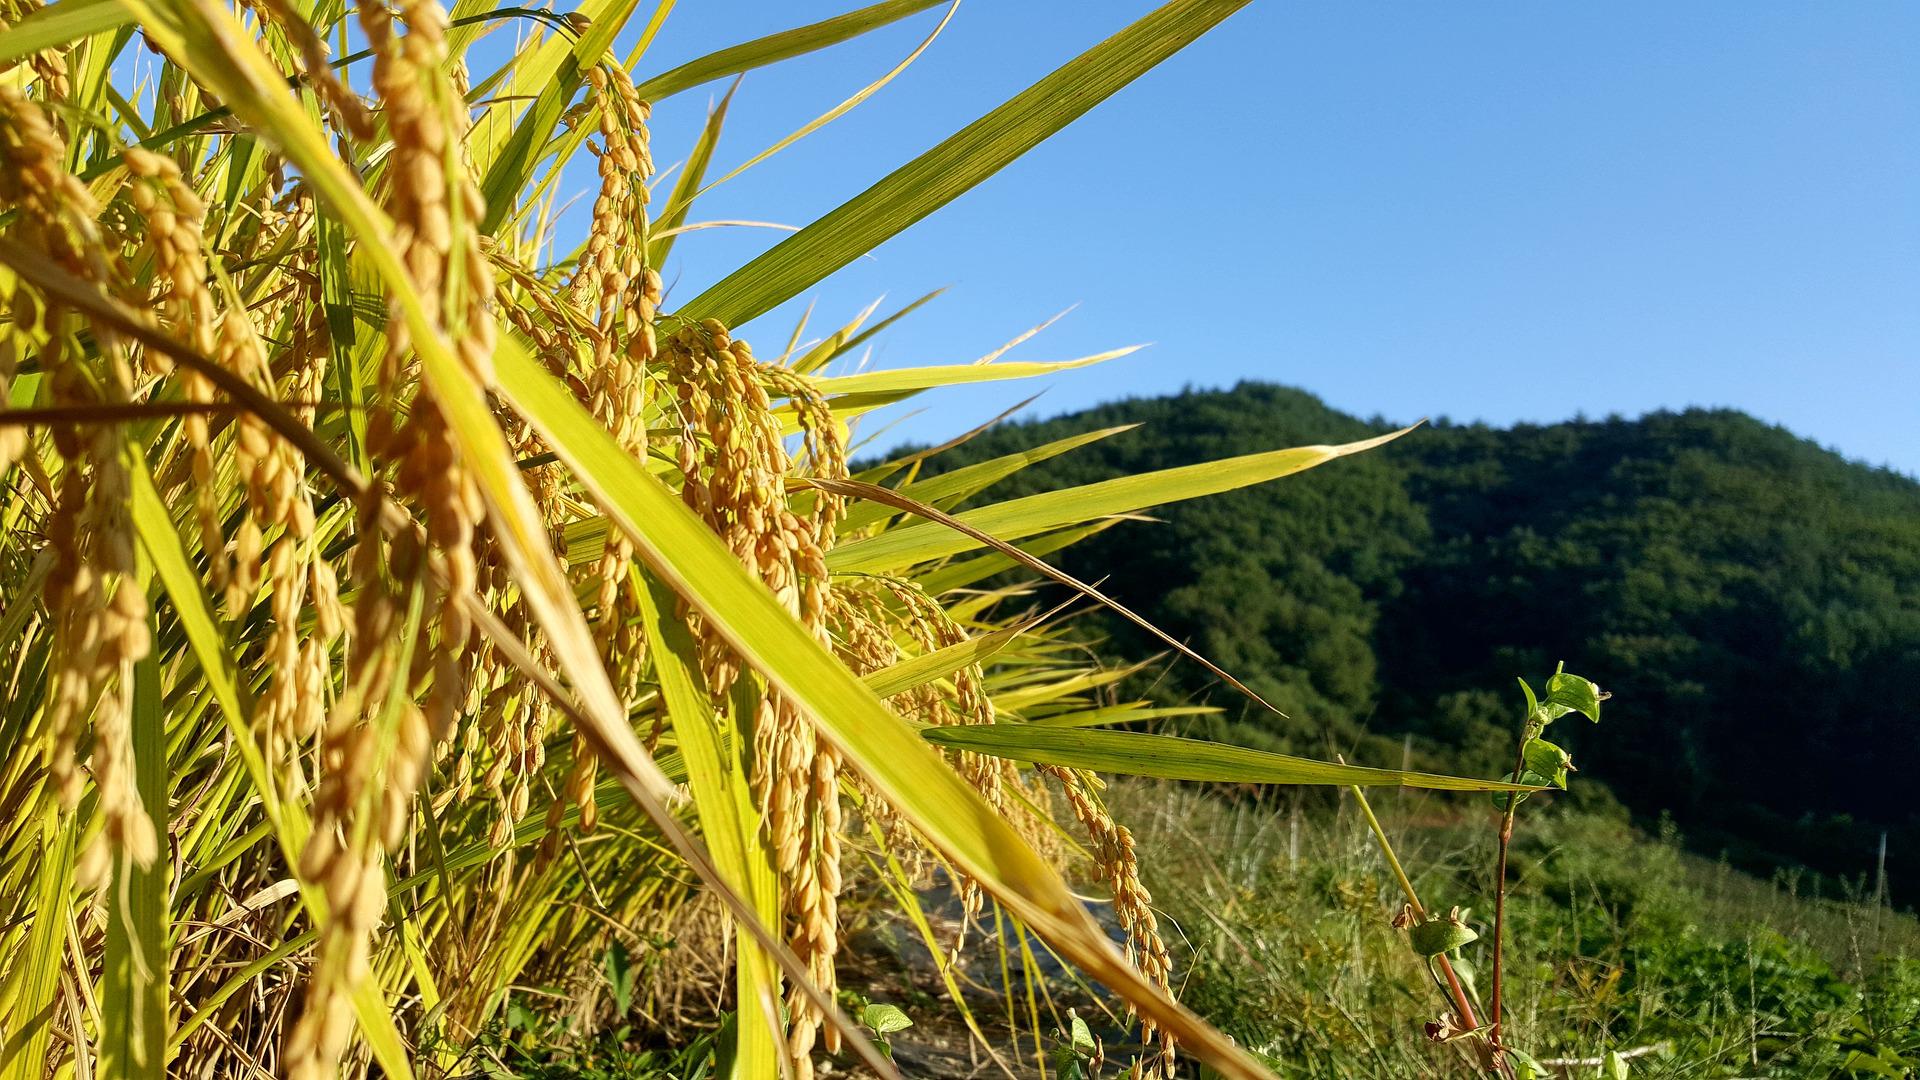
{"x": 1753, "y": 598}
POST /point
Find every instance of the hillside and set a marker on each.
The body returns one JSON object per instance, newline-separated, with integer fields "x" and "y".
{"x": 1752, "y": 599}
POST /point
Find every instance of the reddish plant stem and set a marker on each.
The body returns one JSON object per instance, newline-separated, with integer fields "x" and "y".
{"x": 1460, "y": 1001}
{"x": 1500, "y": 889}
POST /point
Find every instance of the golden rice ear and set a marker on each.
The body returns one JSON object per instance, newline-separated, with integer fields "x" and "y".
{"x": 677, "y": 546}
{"x": 360, "y": 810}
{"x": 1119, "y": 866}
{"x": 349, "y": 113}
{"x": 733, "y": 465}
{"x": 615, "y": 284}
{"x": 92, "y": 591}
{"x": 181, "y": 264}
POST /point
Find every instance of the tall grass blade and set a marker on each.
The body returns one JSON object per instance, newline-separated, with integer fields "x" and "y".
{"x": 966, "y": 529}
{"x": 209, "y": 648}
{"x": 133, "y": 1001}
{"x": 729, "y": 822}
{"x": 1121, "y": 714}
{"x": 970, "y": 480}
{"x": 901, "y": 380}
{"x": 844, "y": 107}
{"x": 510, "y": 166}
{"x": 27, "y": 1049}
{"x": 959, "y": 575}
{"x": 688, "y": 184}
{"x": 291, "y": 825}
{"x": 925, "y": 668}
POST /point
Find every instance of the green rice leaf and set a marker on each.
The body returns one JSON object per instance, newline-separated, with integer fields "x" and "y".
{"x": 944, "y": 173}
{"x": 729, "y": 821}
{"x": 209, "y": 647}
{"x": 959, "y": 575}
{"x": 59, "y": 24}
{"x": 687, "y": 184}
{"x": 902, "y": 547}
{"x": 1169, "y": 757}
{"x": 1120, "y": 714}
{"x": 925, "y": 668}
{"x": 774, "y": 48}
{"x": 901, "y": 380}
{"x": 844, "y": 107}
{"x": 133, "y": 997}
{"x": 27, "y": 1049}
{"x": 559, "y": 68}
{"x": 972, "y": 479}
{"x": 845, "y": 340}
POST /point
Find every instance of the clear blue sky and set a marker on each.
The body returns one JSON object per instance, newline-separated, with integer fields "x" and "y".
{"x": 1483, "y": 211}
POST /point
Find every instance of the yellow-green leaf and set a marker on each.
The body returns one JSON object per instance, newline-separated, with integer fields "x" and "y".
{"x": 133, "y": 996}
{"x": 1120, "y": 714}
{"x": 554, "y": 73}
{"x": 58, "y": 24}
{"x": 1172, "y": 758}
{"x": 25, "y": 1051}
{"x": 899, "y": 380}
{"x": 925, "y": 668}
{"x": 944, "y": 173}
{"x": 897, "y": 548}
{"x": 972, "y": 479}
{"x": 774, "y": 48}
{"x": 729, "y": 822}
{"x": 687, "y": 184}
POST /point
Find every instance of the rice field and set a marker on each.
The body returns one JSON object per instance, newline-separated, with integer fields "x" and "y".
{"x": 404, "y": 605}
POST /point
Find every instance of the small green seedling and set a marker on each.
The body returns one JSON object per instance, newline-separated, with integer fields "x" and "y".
{"x": 1080, "y": 1054}
{"x": 883, "y": 1020}
{"x": 1541, "y": 763}
{"x": 1538, "y": 763}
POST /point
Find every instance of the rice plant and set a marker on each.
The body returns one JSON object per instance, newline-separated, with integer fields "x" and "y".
{"x": 398, "y": 608}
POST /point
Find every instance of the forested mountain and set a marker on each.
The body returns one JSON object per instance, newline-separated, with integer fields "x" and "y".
{"x": 1752, "y": 600}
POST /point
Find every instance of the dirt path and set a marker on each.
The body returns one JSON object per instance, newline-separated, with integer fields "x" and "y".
{"x": 889, "y": 962}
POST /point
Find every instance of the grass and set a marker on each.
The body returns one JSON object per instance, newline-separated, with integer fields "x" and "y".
{"x": 1278, "y": 916}
{"x": 1617, "y": 941}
